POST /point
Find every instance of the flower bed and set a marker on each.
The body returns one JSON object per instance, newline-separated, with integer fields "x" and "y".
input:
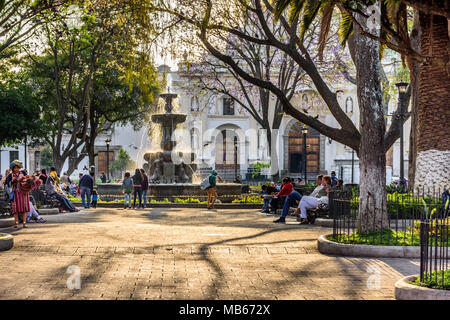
{"x": 434, "y": 280}
{"x": 388, "y": 237}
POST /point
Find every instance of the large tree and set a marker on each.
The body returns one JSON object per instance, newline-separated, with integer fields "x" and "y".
{"x": 106, "y": 35}
{"x": 419, "y": 31}
{"x": 370, "y": 142}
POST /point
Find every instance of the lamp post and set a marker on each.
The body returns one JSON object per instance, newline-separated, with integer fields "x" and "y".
{"x": 353, "y": 164}
{"x": 108, "y": 141}
{"x": 235, "y": 157}
{"x": 402, "y": 88}
{"x": 305, "y": 132}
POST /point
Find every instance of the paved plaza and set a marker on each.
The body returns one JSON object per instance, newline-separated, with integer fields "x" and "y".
{"x": 164, "y": 253}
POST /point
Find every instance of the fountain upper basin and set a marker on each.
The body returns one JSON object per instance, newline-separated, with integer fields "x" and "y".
{"x": 169, "y": 118}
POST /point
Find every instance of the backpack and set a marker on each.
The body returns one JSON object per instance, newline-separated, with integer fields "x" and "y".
{"x": 205, "y": 183}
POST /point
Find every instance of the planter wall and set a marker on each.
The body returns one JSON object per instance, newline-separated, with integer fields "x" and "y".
{"x": 6, "y": 241}
{"x": 361, "y": 250}
{"x": 407, "y": 291}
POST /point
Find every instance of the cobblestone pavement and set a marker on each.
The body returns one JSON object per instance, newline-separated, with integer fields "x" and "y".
{"x": 186, "y": 254}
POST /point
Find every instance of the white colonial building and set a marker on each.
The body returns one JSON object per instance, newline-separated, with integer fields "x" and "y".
{"x": 225, "y": 137}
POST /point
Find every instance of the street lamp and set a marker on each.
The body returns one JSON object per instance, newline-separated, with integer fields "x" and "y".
{"x": 108, "y": 141}
{"x": 305, "y": 132}
{"x": 402, "y": 88}
{"x": 235, "y": 157}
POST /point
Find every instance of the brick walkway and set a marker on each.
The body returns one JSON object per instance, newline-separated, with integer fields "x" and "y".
{"x": 186, "y": 254}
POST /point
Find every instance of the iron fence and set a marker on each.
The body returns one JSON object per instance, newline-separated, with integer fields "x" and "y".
{"x": 434, "y": 241}
{"x": 401, "y": 224}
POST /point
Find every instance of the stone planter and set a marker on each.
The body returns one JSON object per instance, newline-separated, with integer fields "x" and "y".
{"x": 407, "y": 291}
{"x": 6, "y": 241}
{"x": 321, "y": 222}
{"x": 361, "y": 250}
{"x": 6, "y": 222}
{"x": 47, "y": 211}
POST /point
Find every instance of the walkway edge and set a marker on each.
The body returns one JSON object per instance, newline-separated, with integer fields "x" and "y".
{"x": 407, "y": 291}
{"x": 326, "y": 246}
{"x": 6, "y": 241}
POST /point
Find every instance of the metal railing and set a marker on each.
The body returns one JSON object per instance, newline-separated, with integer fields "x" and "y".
{"x": 405, "y": 211}
{"x": 434, "y": 241}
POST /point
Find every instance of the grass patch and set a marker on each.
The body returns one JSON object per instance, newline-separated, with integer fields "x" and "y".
{"x": 388, "y": 237}
{"x": 436, "y": 280}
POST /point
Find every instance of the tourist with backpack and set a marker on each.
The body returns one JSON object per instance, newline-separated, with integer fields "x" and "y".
{"x": 211, "y": 189}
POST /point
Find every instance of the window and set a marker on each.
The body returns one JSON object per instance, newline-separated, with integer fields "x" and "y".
{"x": 349, "y": 105}
{"x": 194, "y": 104}
{"x": 13, "y": 155}
{"x": 228, "y": 107}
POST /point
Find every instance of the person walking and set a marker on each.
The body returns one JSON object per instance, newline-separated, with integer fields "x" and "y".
{"x": 86, "y": 187}
{"x": 127, "y": 189}
{"x": 211, "y": 190}
{"x": 138, "y": 179}
{"x": 144, "y": 188}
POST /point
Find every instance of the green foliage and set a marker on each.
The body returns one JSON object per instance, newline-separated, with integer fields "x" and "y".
{"x": 188, "y": 200}
{"x": 122, "y": 162}
{"x": 46, "y": 157}
{"x": 435, "y": 280}
{"x": 257, "y": 166}
{"x": 388, "y": 237}
{"x": 249, "y": 199}
{"x": 20, "y": 113}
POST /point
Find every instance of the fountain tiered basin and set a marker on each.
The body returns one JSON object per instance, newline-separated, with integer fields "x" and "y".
{"x": 167, "y": 179}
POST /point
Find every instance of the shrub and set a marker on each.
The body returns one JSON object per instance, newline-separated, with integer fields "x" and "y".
{"x": 249, "y": 199}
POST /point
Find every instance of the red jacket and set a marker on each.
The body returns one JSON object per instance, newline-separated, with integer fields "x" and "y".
{"x": 286, "y": 190}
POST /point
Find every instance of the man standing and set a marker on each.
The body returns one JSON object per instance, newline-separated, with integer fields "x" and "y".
{"x": 103, "y": 177}
{"x": 144, "y": 188}
{"x": 86, "y": 186}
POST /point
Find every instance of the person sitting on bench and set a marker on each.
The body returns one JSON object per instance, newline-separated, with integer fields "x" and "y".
{"x": 286, "y": 189}
{"x": 310, "y": 202}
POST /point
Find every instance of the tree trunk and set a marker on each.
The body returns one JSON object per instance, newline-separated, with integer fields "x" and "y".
{"x": 433, "y": 114}
{"x": 372, "y": 156}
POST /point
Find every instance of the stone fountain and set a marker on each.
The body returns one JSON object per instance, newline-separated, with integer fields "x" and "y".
{"x": 168, "y": 179}
{"x": 160, "y": 165}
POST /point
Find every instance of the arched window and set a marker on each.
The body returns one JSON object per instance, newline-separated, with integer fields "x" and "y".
{"x": 194, "y": 104}
{"x": 349, "y": 105}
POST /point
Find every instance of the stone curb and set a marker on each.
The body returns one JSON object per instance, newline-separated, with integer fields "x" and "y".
{"x": 361, "y": 250}
{"x": 322, "y": 222}
{"x": 182, "y": 205}
{"x": 48, "y": 211}
{"x": 6, "y": 242}
{"x": 7, "y": 222}
{"x": 406, "y": 291}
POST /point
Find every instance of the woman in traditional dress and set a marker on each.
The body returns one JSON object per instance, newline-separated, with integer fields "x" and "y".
{"x": 21, "y": 202}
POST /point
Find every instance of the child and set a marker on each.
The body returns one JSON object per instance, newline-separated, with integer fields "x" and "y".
{"x": 94, "y": 199}
{"x": 127, "y": 189}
